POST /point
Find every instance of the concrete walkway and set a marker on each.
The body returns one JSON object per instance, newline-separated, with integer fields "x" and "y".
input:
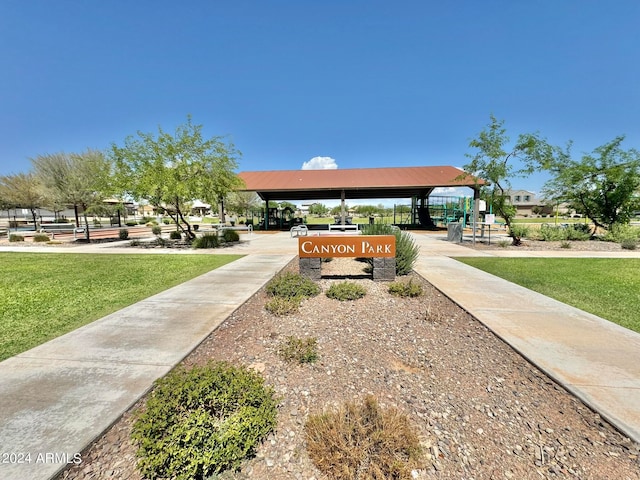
{"x": 58, "y": 397}
{"x": 596, "y": 360}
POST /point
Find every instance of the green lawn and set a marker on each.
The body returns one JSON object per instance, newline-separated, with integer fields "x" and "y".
{"x": 607, "y": 287}
{"x": 44, "y": 295}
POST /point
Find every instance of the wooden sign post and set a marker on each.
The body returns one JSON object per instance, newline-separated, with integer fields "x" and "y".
{"x": 382, "y": 248}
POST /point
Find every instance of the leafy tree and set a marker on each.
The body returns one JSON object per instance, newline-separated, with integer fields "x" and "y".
{"x": 292, "y": 206}
{"x": 22, "y": 190}
{"x": 603, "y": 185}
{"x": 318, "y": 209}
{"x": 78, "y": 179}
{"x": 169, "y": 170}
{"x": 242, "y": 202}
{"x": 494, "y": 161}
{"x": 337, "y": 210}
{"x": 368, "y": 210}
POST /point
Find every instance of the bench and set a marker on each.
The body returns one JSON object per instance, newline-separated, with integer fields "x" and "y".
{"x": 299, "y": 230}
{"x": 344, "y": 228}
{"x": 58, "y": 228}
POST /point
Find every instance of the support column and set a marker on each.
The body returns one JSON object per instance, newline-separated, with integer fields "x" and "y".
{"x": 384, "y": 269}
{"x": 310, "y": 267}
{"x": 342, "y": 212}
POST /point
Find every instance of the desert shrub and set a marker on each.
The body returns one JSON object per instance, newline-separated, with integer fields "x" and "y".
{"x": 618, "y": 233}
{"x": 230, "y": 235}
{"x": 160, "y": 242}
{"x": 299, "y": 350}
{"x": 504, "y": 243}
{"x": 175, "y": 235}
{"x": 629, "y": 244}
{"x": 208, "y": 240}
{"x": 406, "y": 249}
{"x": 565, "y": 244}
{"x": 290, "y": 284}
{"x": 166, "y": 221}
{"x": 131, "y": 224}
{"x": 134, "y": 243}
{"x": 346, "y": 291}
{"x": 41, "y": 237}
{"x": 123, "y": 234}
{"x": 282, "y": 306}
{"x": 363, "y": 442}
{"x": 14, "y": 237}
{"x": 156, "y": 230}
{"x": 405, "y": 289}
{"x": 519, "y": 230}
{"x": 200, "y": 422}
{"x": 551, "y": 233}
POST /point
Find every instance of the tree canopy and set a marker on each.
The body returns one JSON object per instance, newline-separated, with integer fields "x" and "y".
{"x": 22, "y": 190}
{"x": 495, "y": 161}
{"x": 603, "y": 185}
{"x": 169, "y": 170}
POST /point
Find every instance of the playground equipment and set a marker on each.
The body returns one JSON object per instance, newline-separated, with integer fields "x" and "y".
{"x": 439, "y": 212}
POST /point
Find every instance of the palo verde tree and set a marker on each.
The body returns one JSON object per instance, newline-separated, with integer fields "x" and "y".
{"x": 82, "y": 180}
{"x": 603, "y": 185}
{"x": 22, "y": 190}
{"x": 495, "y": 161}
{"x": 170, "y": 170}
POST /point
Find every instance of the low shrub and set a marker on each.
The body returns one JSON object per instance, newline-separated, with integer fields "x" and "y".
{"x": 198, "y": 423}
{"x": 519, "y": 230}
{"x": 123, "y": 234}
{"x": 364, "y": 442}
{"x": 160, "y": 242}
{"x": 550, "y": 233}
{"x": 131, "y": 224}
{"x": 230, "y": 235}
{"x": 629, "y": 244}
{"x": 14, "y": 237}
{"x": 175, "y": 235}
{"x": 619, "y": 233}
{"x": 166, "y": 221}
{"x": 405, "y": 289}
{"x": 208, "y": 240}
{"x": 134, "y": 243}
{"x": 290, "y": 285}
{"x": 346, "y": 291}
{"x": 565, "y": 244}
{"x": 282, "y": 306}
{"x": 41, "y": 237}
{"x": 299, "y": 350}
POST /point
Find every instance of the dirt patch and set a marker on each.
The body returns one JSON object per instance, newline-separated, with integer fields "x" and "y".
{"x": 482, "y": 411}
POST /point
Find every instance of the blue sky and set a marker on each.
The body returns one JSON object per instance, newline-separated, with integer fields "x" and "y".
{"x": 366, "y": 83}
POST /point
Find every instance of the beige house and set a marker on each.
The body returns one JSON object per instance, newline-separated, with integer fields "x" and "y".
{"x": 528, "y": 204}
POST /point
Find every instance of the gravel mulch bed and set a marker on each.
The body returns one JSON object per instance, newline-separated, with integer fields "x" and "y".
{"x": 482, "y": 411}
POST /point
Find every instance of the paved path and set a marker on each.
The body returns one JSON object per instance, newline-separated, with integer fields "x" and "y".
{"x": 60, "y": 396}
{"x": 596, "y": 360}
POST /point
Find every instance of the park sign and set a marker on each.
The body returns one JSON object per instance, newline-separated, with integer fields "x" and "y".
{"x": 365, "y": 246}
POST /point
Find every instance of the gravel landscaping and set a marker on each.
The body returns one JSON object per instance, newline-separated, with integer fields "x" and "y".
{"x": 481, "y": 410}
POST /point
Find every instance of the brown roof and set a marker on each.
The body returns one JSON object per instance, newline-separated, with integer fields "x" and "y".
{"x": 397, "y": 182}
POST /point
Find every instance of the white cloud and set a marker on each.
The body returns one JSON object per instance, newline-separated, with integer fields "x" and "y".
{"x": 320, "y": 163}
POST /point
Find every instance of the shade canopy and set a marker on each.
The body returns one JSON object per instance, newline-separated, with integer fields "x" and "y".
{"x": 355, "y": 183}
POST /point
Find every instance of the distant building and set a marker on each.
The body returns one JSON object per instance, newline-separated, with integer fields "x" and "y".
{"x": 528, "y": 204}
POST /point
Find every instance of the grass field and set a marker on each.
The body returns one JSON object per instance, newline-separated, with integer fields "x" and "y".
{"x": 607, "y": 287}
{"x": 43, "y": 296}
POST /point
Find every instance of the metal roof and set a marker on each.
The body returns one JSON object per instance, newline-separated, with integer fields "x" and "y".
{"x": 393, "y": 182}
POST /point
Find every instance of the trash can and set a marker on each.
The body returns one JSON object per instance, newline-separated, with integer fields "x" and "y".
{"x": 454, "y": 232}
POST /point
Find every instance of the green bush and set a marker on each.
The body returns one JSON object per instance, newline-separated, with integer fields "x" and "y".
{"x": 282, "y": 306}
{"x": 578, "y": 231}
{"x": 123, "y": 234}
{"x": 519, "y": 230}
{"x": 166, "y": 221}
{"x": 565, "y": 244}
{"x": 41, "y": 237}
{"x": 131, "y": 224}
{"x": 618, "y": 233}
{"x": 160, "y": 242}
{"x": 156, "y": 230}
{"x": 629, "y": 243}
{"x": 230, "y": 235}
{"x": 299, "y": 350}
{"x": 175, "y": 235}
{"x": 200, "y": 422}
{"x": 550, "y": 233}
{"x": 405, "y": 289}
{"x": 14, "y": 237}
{"x": 134, "y": 243}
{"x": 208, "y": 240}
{"x": 406, "y": 249}
{"x": 346, "y": 291}
{"x": 290, "y": 285}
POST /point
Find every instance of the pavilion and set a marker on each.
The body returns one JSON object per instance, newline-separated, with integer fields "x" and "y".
{"x": 416, "y": 183}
